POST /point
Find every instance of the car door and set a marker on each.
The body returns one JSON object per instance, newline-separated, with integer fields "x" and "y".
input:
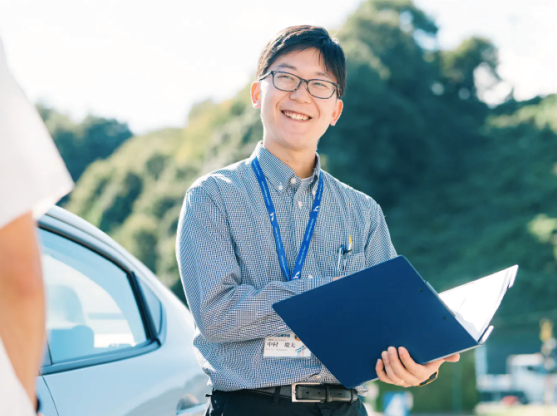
{"x": 47, "y": 404}
{"x": 106, "y": 355}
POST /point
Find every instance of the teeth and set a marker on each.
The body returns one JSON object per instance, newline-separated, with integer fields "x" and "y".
{"x": 295, "y": 116}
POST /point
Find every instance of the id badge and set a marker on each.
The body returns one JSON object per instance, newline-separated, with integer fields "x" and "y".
{"x": 287, "y": 345}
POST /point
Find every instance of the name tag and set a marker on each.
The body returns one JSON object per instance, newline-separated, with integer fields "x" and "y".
{"x": 287, "y": 345}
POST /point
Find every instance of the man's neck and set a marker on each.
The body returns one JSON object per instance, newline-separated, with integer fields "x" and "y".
{"x": 301, "y": 162}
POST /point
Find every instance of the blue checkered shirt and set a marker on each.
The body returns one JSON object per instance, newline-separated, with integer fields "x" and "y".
{"x": 231, "y": 273}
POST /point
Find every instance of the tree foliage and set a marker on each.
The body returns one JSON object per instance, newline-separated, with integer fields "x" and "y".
{"x": 82, "y": 143}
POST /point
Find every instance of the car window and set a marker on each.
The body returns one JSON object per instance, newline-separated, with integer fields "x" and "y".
{"x": 91, "y": 308}
{"x": 154, "y": 304}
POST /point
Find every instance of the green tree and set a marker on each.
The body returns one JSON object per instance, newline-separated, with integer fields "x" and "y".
{"x": 82, "y": 143}
{"x": 398, "y": 105}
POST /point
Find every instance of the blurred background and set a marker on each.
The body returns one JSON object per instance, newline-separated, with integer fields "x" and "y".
{"x": 450, "y": 124}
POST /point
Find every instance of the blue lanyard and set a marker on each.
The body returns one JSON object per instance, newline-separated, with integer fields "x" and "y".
{"x": 276, "y": 230}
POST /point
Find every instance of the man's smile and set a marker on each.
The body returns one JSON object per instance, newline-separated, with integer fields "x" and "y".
{"x": 296, "y": 116}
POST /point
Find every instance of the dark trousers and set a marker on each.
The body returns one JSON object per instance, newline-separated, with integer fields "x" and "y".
{"x": 246, "y": 403}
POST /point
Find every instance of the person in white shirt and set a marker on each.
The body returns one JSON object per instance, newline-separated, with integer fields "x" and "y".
{"x": 32, "y": 178}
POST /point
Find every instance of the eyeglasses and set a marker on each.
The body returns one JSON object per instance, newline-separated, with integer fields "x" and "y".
{"x": 288, "y": 82}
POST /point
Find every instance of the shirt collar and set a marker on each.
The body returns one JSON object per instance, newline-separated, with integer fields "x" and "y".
{"x": 278, "y": 173}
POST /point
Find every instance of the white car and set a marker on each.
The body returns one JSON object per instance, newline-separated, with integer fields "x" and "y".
{"x": 119, "y": 342}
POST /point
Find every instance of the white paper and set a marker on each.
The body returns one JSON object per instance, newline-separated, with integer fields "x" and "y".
{"x": 475, "y": 303}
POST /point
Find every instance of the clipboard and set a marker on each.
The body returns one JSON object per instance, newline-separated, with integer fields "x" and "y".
{"x": 347, "y": 323}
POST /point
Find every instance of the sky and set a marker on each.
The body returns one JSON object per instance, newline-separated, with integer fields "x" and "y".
{"x": 147, "y": 63}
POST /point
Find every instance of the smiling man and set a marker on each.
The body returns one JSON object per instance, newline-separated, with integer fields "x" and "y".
{"x": 276, "y": 225}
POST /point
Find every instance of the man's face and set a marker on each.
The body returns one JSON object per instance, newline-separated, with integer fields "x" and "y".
{"x": 281, "y": 111}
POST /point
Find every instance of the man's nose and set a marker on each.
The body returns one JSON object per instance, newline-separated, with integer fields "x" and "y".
{"x": 301, "y": 94}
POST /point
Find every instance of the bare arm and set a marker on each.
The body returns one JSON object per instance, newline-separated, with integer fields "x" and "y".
{"x": 22, "y": 327}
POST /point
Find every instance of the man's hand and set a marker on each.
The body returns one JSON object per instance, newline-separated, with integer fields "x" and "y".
{"x": 401, "y": 370}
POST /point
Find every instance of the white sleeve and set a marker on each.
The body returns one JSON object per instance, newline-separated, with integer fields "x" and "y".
{"x": 33, "y": 176}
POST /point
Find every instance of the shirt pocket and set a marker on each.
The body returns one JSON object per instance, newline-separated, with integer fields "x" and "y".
{"x": 354, "y": 263}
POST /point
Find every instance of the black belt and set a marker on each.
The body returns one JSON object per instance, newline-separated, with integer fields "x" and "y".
{"x": 311, "y": 392}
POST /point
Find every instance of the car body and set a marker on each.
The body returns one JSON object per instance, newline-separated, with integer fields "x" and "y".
{"x": 119, "y": 342}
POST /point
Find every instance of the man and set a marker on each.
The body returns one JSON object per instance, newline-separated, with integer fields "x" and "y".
{"x": 243, "y": 242}
{"x": 32, "y": 178}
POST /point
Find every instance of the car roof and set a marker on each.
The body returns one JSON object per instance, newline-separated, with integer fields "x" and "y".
{"x": 79, "y": 223}
{"x": 67, "y": 217}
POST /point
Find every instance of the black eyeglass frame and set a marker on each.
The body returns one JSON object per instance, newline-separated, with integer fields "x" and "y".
{"x": 307, "y": 81}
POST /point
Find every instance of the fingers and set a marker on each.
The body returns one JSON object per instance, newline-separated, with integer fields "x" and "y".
{"x": 419, "y": 371}
{"x": 381, "y": 372}
{"x": 398, "y": 367}
{"x": 453, "y": 358}
{"x": 434, "y": 365}
{"x": 394, "y": 379}
{"x": 396, "y": 371}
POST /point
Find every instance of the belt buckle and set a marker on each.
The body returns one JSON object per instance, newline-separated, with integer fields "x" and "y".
{"x": 295, "y": 399}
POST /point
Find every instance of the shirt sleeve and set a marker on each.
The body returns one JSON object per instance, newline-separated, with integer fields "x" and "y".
{"x": 33, "y": 176}
{"x": 225, "y": 309}
{"x": 379, "y": 247}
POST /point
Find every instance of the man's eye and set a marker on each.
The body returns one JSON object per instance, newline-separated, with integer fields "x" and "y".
{"x": 285, "y": 77}
{"x": 321, "y": 85}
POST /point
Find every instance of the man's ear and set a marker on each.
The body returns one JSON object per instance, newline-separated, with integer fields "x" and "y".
{"x": 339, "y": 105}
{"x": 256, "y": 94}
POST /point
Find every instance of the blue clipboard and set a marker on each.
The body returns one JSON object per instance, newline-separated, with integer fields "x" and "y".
{"x": 347, "y": 323}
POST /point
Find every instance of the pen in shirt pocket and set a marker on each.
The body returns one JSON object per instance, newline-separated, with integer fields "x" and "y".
{"x": 347, "y": 253}
{"x": 343, "y": 256}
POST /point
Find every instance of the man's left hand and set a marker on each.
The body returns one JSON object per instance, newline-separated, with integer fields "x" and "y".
{"x": 400, "y": 369}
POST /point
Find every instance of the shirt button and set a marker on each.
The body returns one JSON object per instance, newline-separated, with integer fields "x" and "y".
{"x": 310, "y": 276}
{"x": 293, "y": 181}
{"x": 280, "y": 188}
{"x": 300, "y": 204}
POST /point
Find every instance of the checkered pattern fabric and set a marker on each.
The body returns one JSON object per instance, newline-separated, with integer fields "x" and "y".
{"x": 230, "y": 269}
